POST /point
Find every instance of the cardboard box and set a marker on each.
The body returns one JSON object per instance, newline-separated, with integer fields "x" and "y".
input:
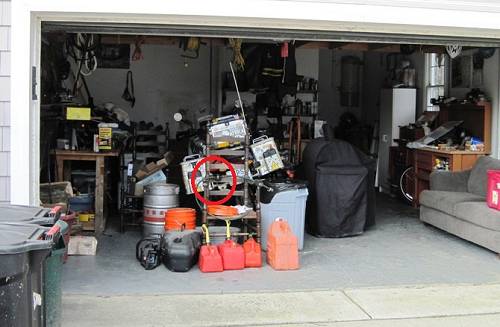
{"x": 82, "y": 245}
{"x": 153, "y": 167}
{"x": 159, "y": 176}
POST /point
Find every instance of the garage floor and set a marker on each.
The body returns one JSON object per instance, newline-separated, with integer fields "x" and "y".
{"x": 400, "y": 250}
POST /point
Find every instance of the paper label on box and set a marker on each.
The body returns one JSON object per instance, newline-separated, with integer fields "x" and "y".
{"x": 494, "y": 197}
{"x": 77, "y": 113}
{"x": 105, "y": 138}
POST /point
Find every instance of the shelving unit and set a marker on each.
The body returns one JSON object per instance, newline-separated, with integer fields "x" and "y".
{"x": 151, "y": 143}
{"x": 251, "y": 220}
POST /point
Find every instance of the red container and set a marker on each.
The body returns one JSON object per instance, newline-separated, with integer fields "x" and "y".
{"x": 210, "y": 260}
{"x": 282, "y": 246}
{"x": 493, "y": 195}
{"x": 70, "y": 219}
{"x": 233, "y": 255}
{"x": 253, "y": 256}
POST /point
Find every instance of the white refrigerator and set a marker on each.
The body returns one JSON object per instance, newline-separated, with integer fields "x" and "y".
{"x": 397, "y": 108}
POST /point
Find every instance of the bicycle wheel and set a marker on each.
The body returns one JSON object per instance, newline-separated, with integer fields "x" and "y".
{"x": 406, "y": 183}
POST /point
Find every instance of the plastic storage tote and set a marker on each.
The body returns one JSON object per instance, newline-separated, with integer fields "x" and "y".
{"x": 284, "y": 199}
{"x": 493, "y": 195}
{"x": 22, "y": 254}
{"x": 82, "y": 203}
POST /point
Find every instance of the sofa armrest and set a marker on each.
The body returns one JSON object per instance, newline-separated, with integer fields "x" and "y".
{"x": 449, "y": 181}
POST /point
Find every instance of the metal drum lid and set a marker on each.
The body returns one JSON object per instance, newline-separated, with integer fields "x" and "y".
{"x": 161, "y": 189}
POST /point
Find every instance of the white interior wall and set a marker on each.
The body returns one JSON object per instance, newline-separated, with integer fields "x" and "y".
{"x": 163, "y": 85}
{"x": 307, "y": 62}
{"x": 162, "y": 82}
{"x": 329, "y": 105}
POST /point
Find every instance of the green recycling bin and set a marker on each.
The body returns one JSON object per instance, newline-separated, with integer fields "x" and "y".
{"x": 52, "y": 275}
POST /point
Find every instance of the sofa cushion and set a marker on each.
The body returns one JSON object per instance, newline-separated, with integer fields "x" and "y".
{"x": 478, "y": 178}
{"x": 445, "y": 201}
{"x": 478, "y": 213}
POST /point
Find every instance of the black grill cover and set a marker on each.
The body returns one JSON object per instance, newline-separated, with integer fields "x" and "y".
{"x": 341, "y": 198}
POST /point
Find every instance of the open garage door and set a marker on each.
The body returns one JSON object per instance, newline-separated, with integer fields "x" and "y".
{"x": 366, "y": 34}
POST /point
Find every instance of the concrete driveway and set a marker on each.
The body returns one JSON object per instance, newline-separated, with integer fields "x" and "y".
{"x": 439, "y": 305}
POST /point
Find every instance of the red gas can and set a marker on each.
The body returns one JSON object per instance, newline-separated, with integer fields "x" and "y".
{"x": 493, "y": 196}
{"x": 282, "y": 246}
{"x": 253, "y": 256}
{"x": 210, "y": 259}
{"x": 233, "y": 256}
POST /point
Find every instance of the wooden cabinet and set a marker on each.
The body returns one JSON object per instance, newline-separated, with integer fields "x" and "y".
{"x": 476, "y": 119}
{"x": 425, "y": 161}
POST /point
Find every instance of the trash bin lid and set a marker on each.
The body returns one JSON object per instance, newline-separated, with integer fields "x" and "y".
{"x": 18, "y": 238}
{"x": 28, "y": 214}
{"x": 277, "y": 186}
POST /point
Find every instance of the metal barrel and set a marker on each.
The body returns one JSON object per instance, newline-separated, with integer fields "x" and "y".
{"x": 158, "y": 198}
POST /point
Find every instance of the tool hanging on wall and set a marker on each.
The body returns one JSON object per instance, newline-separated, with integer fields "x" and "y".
{"x": 83, "y": 49}
{"x": 128, "y": 93}
{"x": 191, "y": 47}
{"x": 238, "y": 59}
{"x": 137, "y": 55}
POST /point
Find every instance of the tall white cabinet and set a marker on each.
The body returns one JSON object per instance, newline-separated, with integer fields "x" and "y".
{"x": 397, "y": 108}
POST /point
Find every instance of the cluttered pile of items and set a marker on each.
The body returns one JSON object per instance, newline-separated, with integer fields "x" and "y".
{"x": 232, "y": 168}
{"x": 450, "y": 138}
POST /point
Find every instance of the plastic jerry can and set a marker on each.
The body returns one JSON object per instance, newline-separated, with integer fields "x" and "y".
{"x": 282, "y": 246}
{"x": 180, "y": 252}
{"x": 210, "y": 260}
{"x": 232, "y": 253}
{"x": 233, "y": 256}
{"x": 253, "y": 255}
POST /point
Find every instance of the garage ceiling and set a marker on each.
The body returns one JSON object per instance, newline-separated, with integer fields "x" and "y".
{"x": 265, "y": 33}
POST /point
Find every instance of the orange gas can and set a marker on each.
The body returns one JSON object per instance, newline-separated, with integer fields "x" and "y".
{"x": 253, "y": 256}
{"x": 282, "y": 246}
{"x": 210, "y": 259}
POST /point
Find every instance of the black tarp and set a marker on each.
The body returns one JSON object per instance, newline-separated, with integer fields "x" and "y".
{"x": 341, "y": 198}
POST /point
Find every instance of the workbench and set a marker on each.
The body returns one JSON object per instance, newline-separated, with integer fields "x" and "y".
{"x": 62, "y": 156}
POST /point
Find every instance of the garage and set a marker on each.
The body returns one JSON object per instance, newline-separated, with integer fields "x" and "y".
{"x": 358, "y": 119}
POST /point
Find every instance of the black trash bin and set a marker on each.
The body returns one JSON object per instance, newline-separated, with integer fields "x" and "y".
{"x": 23, "y": 252}
{"x": 30, "y": 215}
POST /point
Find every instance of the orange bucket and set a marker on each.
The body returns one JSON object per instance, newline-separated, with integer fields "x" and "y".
{"x": 180, "y": 218}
